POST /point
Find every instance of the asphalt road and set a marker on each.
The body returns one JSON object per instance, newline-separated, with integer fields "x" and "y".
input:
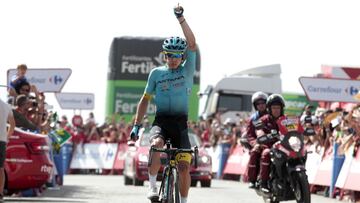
{"x": 96, "y": 188}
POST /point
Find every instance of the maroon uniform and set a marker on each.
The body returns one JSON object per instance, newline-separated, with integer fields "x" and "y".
{"x": 262, "y": 151}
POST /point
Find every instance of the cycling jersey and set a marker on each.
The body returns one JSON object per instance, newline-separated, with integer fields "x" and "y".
{"x": 171, "y": 87}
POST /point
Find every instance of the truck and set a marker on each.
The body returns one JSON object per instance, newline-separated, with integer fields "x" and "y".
{"x": 231, "y": 96}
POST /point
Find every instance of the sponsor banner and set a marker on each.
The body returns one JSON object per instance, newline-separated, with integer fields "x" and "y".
{"x": 133, "y": 58}
{"x": 45, "y": 80}
{"x": 237, "y": 161}
{"x": 123, "y": 97}
{"x": 127, "y": 99}
{"x": 354, "y": 174}
{"x": 324, "y": 172}
{"x": 332, "y": 90}
{"x": 120, "y": 157}
{"x": 313, "y": 161}
{"x": 94, "y": 156}
{"x": 295, "y": 103}
{"x": 340, "y": 182}
{"x": 76, "y": 100}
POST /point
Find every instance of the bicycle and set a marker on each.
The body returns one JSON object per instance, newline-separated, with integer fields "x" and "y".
{"x": 169, "y": 189}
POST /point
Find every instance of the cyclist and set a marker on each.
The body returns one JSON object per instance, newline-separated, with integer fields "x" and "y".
{"x": 258, "y": 100}
{"x": 171, "y": 84}
{"x": 275, "y": 105}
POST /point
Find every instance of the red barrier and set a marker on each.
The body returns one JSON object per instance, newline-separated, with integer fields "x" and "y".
{"x": 323, "y": 174}
{"x": 352, "y": 181}
{"x": 237, "y": 161}
{"x": 120, "y": 157}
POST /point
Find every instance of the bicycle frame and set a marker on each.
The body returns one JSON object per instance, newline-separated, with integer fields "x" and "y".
{"x": 169, "y": 189}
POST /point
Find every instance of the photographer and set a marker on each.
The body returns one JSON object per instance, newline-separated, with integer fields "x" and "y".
{"x": 21, "y": 114}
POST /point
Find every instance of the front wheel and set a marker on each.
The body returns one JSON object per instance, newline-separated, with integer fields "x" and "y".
{"x": 171, "y": 187}
{"x": 301, "y": 188}
{"x": 176, "y": 185}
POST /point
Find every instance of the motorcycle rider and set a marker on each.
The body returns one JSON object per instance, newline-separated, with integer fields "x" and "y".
{"x": 275, "y": 105}
{"x": 258, "y": 100}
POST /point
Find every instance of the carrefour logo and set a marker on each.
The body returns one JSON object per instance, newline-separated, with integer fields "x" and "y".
{"x": 109, "y": 154}
{"x": 88, "y": 101}
{"x": 352, "y": 90}
{"x": 56, "y": 79}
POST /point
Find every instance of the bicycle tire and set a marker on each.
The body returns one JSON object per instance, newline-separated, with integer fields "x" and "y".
{"x": 176, "y": 185}
{"x": 171, "y": 189}
{"x": 165, "y": 189}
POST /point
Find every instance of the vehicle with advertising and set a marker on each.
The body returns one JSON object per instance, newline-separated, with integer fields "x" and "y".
{"x": 288, "y": 179}
{"x": 136, "y": 163}
{"x": 231, "y": 96}
{"x": 27, "y": 164}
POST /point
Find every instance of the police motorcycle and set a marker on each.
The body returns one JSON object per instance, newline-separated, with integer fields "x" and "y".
{"x": 288, "y": 179}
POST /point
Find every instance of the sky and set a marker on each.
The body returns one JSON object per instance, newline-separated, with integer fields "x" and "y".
{"x": 232, "y": 36}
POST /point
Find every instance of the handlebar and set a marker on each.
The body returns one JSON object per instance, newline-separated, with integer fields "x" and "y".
{"x": 268, "y": 137}
{"x": 174, "y": 152}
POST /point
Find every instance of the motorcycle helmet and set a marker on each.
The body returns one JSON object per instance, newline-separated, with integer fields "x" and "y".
{"x": 257, "y": 96}
{"x": 275, "y": 99}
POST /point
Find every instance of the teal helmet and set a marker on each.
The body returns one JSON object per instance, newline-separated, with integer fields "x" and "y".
{"x": 174, "y": 44}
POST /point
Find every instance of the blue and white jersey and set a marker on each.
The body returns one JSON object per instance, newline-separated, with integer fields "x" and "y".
{"x": 171, "y": 87}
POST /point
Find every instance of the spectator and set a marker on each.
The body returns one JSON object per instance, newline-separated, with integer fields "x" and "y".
{"x": 20, "y": 114}
{"x": 6, "y": 116}
{"x": 17, "y": 79}
{"x": 91, "y": 119}
{"x": 64, "y": 123}
{"x": 23, "y": 88}
{"x": 205, "y": 136}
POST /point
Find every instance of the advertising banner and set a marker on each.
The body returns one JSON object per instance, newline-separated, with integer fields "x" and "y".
{"x": 45, "y": 79}
{"x": 132, "y": 58}
{"x": 332, "y": 90}
{"x": 295, "y": 103}
{"x": 76, "y": 100}
{"x": 94, "y": 156}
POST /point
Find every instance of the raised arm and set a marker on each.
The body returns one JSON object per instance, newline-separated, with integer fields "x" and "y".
{"x": 189, "y": 35}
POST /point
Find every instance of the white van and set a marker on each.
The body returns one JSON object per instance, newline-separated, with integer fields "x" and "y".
{"x": 231, "y": 96}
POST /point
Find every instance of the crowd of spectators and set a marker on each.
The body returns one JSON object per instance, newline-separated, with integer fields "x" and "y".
{"x": 89, "y": 131}
{"x": 29, "y": 106}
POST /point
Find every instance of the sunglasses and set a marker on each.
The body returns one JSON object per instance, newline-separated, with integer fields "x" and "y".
{"x": 25, "y": 90}
{"x": 174, "y": 55}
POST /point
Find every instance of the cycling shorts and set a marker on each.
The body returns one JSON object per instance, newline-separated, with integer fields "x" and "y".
{"x": 175, "y": 129}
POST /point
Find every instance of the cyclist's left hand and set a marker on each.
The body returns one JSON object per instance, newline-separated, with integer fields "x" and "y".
{"x": 178, "y": 11}
{"x": 134, "y": 135}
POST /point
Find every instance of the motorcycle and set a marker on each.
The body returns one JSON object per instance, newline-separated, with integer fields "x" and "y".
{"x": 288, "y": 179}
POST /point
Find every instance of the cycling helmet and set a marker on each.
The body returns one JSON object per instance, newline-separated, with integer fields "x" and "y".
{"x": 174, "y": 44}
{"x": 258, "y": 96}
{"x": 275, "y": 99}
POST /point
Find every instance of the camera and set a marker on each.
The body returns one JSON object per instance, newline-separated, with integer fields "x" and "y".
{"x": 308, "y": 119}
{"x": 34, "y": 104}
{"x": 351, "y": 131}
